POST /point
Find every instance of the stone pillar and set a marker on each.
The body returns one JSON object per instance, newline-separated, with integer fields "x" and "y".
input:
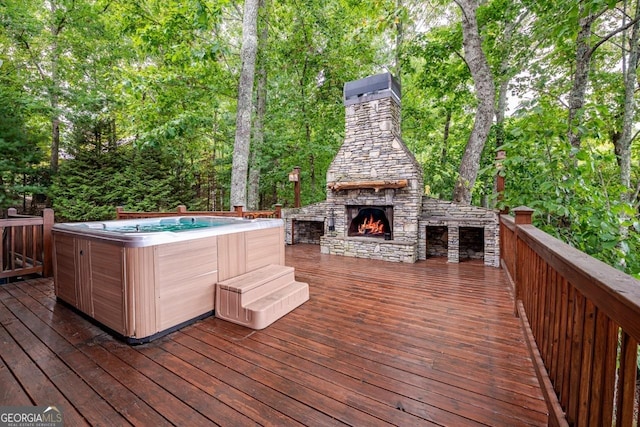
{"x": 492, "y": 246}
{"x": 453, "y": 244}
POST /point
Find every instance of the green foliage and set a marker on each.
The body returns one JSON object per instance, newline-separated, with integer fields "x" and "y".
{"x": 18, "y": 143}
{"x": 439, "y": 104}
{"x": 573, "y": 192}
{"x": 90, "y": 186}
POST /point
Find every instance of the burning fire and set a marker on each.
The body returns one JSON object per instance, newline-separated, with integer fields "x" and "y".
{"x": 369, "y": 226}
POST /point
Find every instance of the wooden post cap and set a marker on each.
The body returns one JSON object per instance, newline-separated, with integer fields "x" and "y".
{"x": 523, "y": 214}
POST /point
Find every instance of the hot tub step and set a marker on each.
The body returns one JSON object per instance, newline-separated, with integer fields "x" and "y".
{"x": 271, "y": 307}
{"x": 257, "y": 283}
{"x": 260, "y": 297}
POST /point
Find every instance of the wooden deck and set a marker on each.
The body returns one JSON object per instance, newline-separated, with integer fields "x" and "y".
{"x": 378, "y": 343}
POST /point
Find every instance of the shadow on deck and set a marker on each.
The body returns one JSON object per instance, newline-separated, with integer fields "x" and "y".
{"x": 378, "y": 343}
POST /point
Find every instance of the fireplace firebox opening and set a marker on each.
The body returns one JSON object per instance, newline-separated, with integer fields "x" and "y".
{"x": 307, "y": 231}
{"x": 437, "y": 241}
{"x": 370, "y": 221}
{"x": 471, "y": 243}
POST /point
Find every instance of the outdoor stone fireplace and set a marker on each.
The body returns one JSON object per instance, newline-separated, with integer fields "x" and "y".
{"x": 375, "y": 206}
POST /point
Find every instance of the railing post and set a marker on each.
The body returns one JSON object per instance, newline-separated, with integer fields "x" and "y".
{"x": 294, "y": 176}
{"x": 500, "y": 156}
{"x": 278, "y": 210}
{"x": 48, "y": 219}
{"x": 238, "y": 210}
{"x": 523, "y": 217}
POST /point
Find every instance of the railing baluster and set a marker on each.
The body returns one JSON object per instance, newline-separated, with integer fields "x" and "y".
{"x": 576, "y": 358}
{"x": 34, "y": 246}
{"x": 533, "y": 290}
{"x": 610, "y": 362}
{"x": 545, "y": 282}
{"x": 554, "y": 323}
{"x": 586, "y": 363}
{"x": 25, "y": 246}
{"x": 598, "y": 408}
{"x": 627, "y": 381}
{"x": 2, "y": 254}
{"x": 12, "y": 250}
{"x": 541, "y": 292}
{"x": 558, "y": 378}
{"x": 568, "y": 342}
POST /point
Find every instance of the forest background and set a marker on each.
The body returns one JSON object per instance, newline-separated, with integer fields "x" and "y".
{"x": 108, "y": 103}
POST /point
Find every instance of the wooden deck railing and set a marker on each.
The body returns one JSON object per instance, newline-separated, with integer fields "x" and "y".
{"x": 182, "y": 210}
{"x": 582, "y": 320}
{"x": 26, "y": 244}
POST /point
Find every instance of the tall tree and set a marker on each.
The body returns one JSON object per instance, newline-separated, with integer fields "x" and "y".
{"x": 176, "y": 87}
{"x": 485, "y": 94}
{"x": 397, "y": 66}
{"x": 39, "y": 37}
{"x": 508, "y": 48}
{"x": 630, "y": 75}
{"x": 587, "y": 14}
{"x": 60, "y": 50}
{"x": 253, "y": 193}
{"x": 315, "y": 47}
{"x": 242, "y": 143}
{"x": 56, "y": 26}
{"x": 18, "y": 144}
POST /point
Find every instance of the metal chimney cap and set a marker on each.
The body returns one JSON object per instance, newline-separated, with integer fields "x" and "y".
{"x": 372, "y": 87}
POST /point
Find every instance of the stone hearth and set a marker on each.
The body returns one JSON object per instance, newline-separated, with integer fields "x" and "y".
{"x": 374, "y": 177}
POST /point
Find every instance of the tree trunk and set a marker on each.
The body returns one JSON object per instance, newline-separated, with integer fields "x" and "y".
{"x": 253, "y": 195}
{"x": 580, "y": 77}
{"x": 55, "y": 29}
{"x": 213, "y": 173}
{"x": 505, "y": 75}
{"x": 243, "y": 115}
{"x": 623, "y": 143}
{"x": 485, "y": 94}
{"x": 399, "y": 39}
{"x": 445, "y": 138}
{"x": 505, "y": 78}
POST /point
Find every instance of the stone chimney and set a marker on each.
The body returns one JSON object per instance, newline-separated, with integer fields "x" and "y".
{"x": 372, "y": 133}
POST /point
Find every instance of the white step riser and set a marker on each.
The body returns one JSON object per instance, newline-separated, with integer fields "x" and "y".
{"x": 267, "y": 288}
{"x": 290, "y": 292}
{"x": 255, "y": 279}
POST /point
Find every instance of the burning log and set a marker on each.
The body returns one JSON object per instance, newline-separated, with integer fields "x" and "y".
{"x": 369, "y": 226}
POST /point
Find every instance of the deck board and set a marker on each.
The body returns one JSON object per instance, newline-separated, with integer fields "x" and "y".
{"x": 378, "y": 343}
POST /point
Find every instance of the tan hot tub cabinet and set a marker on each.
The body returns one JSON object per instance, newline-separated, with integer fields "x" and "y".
{"x": 145, "y": 289}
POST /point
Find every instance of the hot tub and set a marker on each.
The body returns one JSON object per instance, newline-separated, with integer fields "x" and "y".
{"x": 143, "y": 278}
